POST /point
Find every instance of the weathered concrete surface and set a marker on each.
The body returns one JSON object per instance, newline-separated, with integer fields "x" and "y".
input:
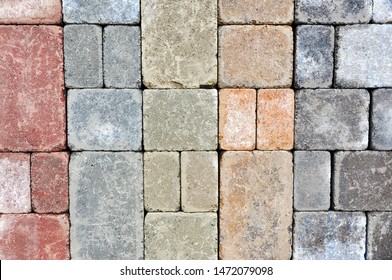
{"x": 382, "y": 11}
{"x": 106, "y": 205}
{"x": 332, "y": 119}
{"x": 381, "y": 119}
{"x": 179, "y": 43}
{"x": 256, "y": 191}
{"x": 379, "y": 236}
{"x": 329, "y": 236}
{"x": 181, "y": 236}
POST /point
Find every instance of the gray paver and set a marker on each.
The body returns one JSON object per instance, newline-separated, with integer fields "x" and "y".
{"x": 381, "y": 119}
{"x": 382, "y": 11}
{"x": 379, "y": 236}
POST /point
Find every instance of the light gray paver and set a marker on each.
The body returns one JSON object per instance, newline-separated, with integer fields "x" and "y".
{"x": 379, "y": 236}
{"x": 382, "y": 11}
{"x": 381, "y": 119}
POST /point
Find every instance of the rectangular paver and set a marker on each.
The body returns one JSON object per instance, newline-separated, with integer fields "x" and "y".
{"x": 379, "y": 236}
{"x": 381, "y": 119}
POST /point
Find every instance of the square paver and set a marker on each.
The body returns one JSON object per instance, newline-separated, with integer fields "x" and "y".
{"x": 382, "y": 11}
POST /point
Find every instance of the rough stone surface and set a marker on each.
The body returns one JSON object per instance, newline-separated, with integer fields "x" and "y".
{"x": 314, "y": 56}
{"x": 199, "y": 181}
{"x": 382, "y": 11}
{"x": 379, "y": 236}
{"x": 362, "y": 181}
{"x": 255, "y": 56}
{"x": 381, "y": 119}
{"x": 15, "y": 183}
{"x": 312, "y": 180}
{"x": 162, "y": 181}
{"x": 275, "y": 119}
{"x": 31, "y": 71}
{"x": 49, "y": 182}
{"x": 102, "y": 12}
{"x": 181, "y": 236}
{"x": 329, "y": 236}
{"x": 367, "y": 49}
{"x": 180, "y": 119}
{"x": 256, "y": 205}
{"x": 237, "y": 119}
{"x": 122, "y": 57}
{"x": 332, "y": 119}
{"x": 105, "y": 119}
{"x": 83, "y": 56}
{"x": 333, "y": 11}
{"x": 179, "y": 39}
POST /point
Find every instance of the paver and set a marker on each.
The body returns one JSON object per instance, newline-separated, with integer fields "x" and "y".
{"x": 256, "y": 191}
{"x": 180, "y": 119}
{"x": 199, "y": 181}
{"x": 105, "y": 119}
{"x": 332, "y": 119}
{"x": 179, "y": 43}
{"x": 367, "y": 49}
{"x": 329, "y": 236}
{"x": 381, "y": 119}
{"x": 382, "y": 11}
{"x": 162, "y": 187}
{"x": 379, "y": 236}
{"x": 255, "y": 56}
{"x": 181, "y": 236}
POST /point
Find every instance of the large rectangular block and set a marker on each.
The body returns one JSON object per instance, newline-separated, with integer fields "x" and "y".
{"x": 381, "y": 119}
{"x": 382, "y": 11}
{"x": 379, "y": 236}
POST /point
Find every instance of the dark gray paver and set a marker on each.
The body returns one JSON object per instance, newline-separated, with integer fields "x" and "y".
{"x": 379, "y": 236}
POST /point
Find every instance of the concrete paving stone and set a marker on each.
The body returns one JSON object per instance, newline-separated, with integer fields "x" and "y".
{"x": 162, "y": 187}
{"x": 312, "y": 180}
{"x": 181, "y": 236}
{"x": 31, "y": 71}
{"x": 102, "y": 12}
{"x": 333, "y": 11}
{"x": 362, "y": 181}
{"x": 15, "y": 183}
{"x": 332, "y": 119}
{"x": 314, "y": 56}
{"x": 105, "y": 119}
{"x": 381, "y": 119}
{"x": 368, "y": 50}
{"x": 106, "y": 205}
{"x": 122, "y": 57}
{"x": 179, "y": 43}
{"x": 34, "y": 237}
{"x": 237, "y": 119}
{"x": 180, "y": 119}
{"x": 199, "y": 181}
{"x": 275, "y": 119}
{"x": 329, "y": 236}
{"x": 379, "y": 236}
{"x": 83, "y": 56}
{"x": 382, "y": 11}
{"x": 256, "y": 191}
{"x": 255, "y": 56}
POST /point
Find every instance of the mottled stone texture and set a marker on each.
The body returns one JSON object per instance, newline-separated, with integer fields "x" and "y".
{"x": 362, "y": 181}
{"x": 332, "y": 119}
{"x": 32, "y": 115}
{"x": 180, "y": 119}
{"x": 364, "y": 56}
{"x": 179, "y": 39}
{"x": 329, "y": 236}
{"x": 314, "y": 56}
{"x": 255, "y": 56}
{"x": 379, "y": 236}
{"x": 106, "y": 205}
{"x": 105, "y": 119}
{"x": 382, "y": 11}
{"x": 237, "y": 119}
{"x": 181, "y": 236}
{"x": 162, "y": 181}
{"x": 256, "y": 192}
{"x": 381, "y": 119}
{"x": 34, "y": 237}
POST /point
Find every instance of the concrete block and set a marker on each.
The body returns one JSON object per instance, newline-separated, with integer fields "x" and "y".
{"x": 379, "y": 236}
{"x": 381, "y": 119}
{"x": 382, "y": 11}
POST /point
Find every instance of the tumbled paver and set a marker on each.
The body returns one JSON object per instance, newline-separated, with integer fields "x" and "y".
{"x": 49, "y": 182}
{"x": 199, "y": 181}
{"x": 381, "y": 119}
{"x": 162, "y": 187}
{"x": 362, "y": 181}
{"x": 379, "y": 236}
{"x": 256, "y": 190}
{"x": 106, "y": 205}
{"x": 312, "y": 180}
{"x": 382, "y": 11}
{"x": 31, "y": 71}
{"x": 181, "y": 236}
{"x": 15, "y": 183}
{"x": 179, "y": 43}
{"x": 255, "y": 56}
{"x": 34, "y": 237}
{"x": 105, "y": 119}
{"x": 332, "y": 119}
{"x": 275, "y": 119}
{"x": 180, "y": 119}
{"x": 329, "y": 236}
{"x": 237, "y": 119}
{"x": 364, "y": 56}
